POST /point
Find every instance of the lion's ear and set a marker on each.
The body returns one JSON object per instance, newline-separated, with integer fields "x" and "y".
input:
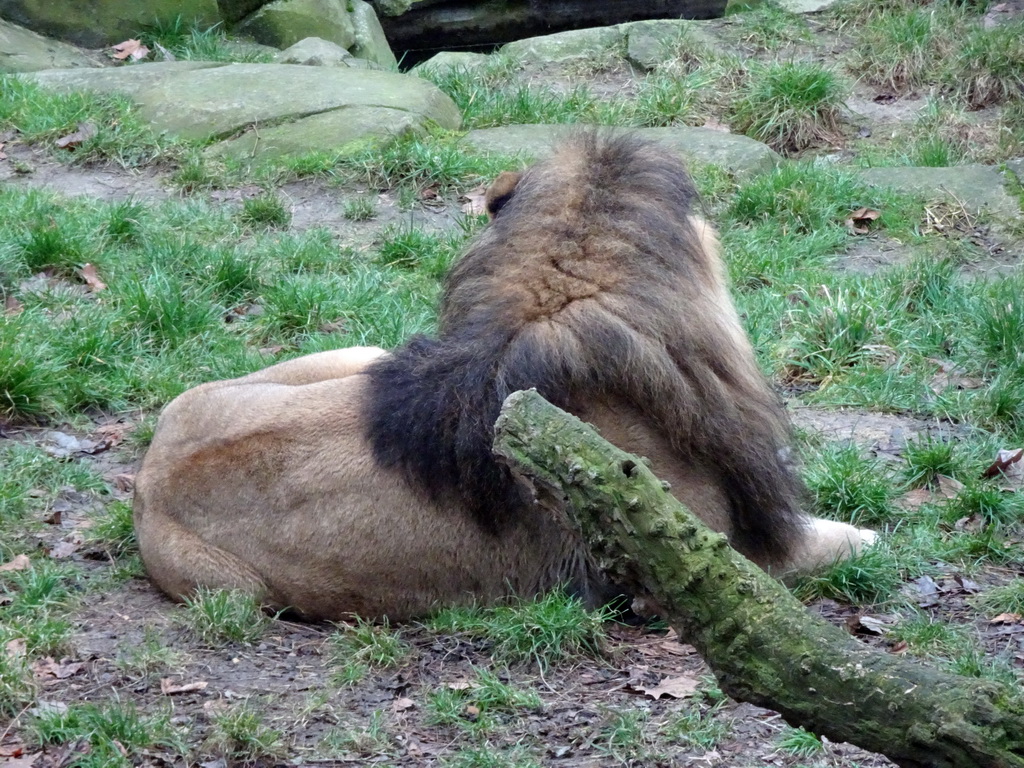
{"x": 500, "y": 192}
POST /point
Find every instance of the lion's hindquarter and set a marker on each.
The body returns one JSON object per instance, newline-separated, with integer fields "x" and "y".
{"x": 272, "y": 487}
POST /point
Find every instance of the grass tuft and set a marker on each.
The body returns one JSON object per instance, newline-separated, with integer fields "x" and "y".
{"x": 790, "y": 105}
{"x": 221, "y": 616}
{"x": 545, "y": 631}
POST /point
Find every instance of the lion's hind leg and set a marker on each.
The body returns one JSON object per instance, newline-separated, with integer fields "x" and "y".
{"x": 824, "y": 543}
{"x": 179, "y": 561}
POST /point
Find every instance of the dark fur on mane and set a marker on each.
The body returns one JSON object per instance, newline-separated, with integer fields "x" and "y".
{"x": 609, "y": 217}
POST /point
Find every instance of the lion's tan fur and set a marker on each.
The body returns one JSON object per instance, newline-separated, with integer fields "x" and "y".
{"x": 292, "y": 483}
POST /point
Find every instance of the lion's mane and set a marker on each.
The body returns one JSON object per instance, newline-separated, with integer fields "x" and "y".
{"x": 596, "y": 282}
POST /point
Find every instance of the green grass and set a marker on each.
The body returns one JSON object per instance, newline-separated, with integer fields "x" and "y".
{"x": 188, "y": 42}
{"x": 374, "y": 739}
{"x": 801, "y": 743}
{"x": 870, "y": 577}
{"x": 219, "y": 616}
{"x": 360, "y": 208}
{"x": 770, "y": 27}
{"x": 847, "y": 485}
{"x": 989, "y": 65}
{"x": 265, "y": 210}
{"x": 905, "y": 48}
{"x": 356, "y": 648}
{"x": 115, "y": 732}
{"x": 43, "y": 116}
{"x": 698, "y": 726}
{"x": 1007, "y": 598}
{"x": 546, "y": 631}
{"x": 790, "y": 105}
{"x": 477, "y": 705}
{"x": 240, "y": 735}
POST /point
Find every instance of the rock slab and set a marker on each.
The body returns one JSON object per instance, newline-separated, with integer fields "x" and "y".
{"x": 199, "y": 100}
{"x": 978, "y": 187}
{"x": 22, "y": 50}
{"x": 99, "y": 23}
{"x": 739, "y": 155}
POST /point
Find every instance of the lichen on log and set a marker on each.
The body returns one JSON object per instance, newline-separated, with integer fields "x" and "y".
{"x": 762, "y": 644}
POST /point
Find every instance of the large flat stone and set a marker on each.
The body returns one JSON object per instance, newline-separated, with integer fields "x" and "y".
{"x": 22, "y": 50}
{"x": 567, "y": 46}
{"x": 978, "y": 187}
{"x": 98, "y": 23}
{"x": 738, "y": 154}
{"x": 337, "y": 130}
{"x": 283, "y": 23}
{"x": 197, "y": 102}
{"x": 650, "y": 43}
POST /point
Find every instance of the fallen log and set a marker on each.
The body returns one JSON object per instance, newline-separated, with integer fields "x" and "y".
{"x": 762, "y": 644}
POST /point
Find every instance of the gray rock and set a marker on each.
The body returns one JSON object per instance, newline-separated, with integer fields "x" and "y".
{"x": 250, "y": 51}
{"x": 393, "y": 7}
{"x": 283, "y": 23}
{"x": 198, "y": 100}
{"x": 99, "y": 23}
{"x": 315, "y": 52}
{"x": 131, "y": 81}
{"x": 22, "y": 50}
{"x": 738, "y": 154}
{"x": 806, "y": 6}
{"x": 447, "y": 61}
{"x": 370, "y": 45}
{"x": 649, "y": 43}
{"x": 338, "y": 130}
{"x": 567, "y": 46}
{"x": 979, "y": 187}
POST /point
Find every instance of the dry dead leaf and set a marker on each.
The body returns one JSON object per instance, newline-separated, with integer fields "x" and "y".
{"x": 673, "y": 687}
{"x": 67, "y": 547}
{"x": 12, "y": 750}
{"x": 928, "y": 591}
{"x": 870, "y": 624}
{"x": 91, "y": 277}
{"x": 18, "y": 563}
{"x": 475, "y": 203}
{"x": 860, "y": 220}
{"x": 401, "y": 705}
{"x": 124, "y": 482}
{"x": 12, "y": 306}
{"x": 430, "y": 193}
{"x": 951, "y": 375}
{"x": 970, "y": 524}
{"x": 129, "y": 49}
{"x": 21, "y": 762}
{"x": 84, "y": 132}
{"x": 1006, "y": 618}
{"x": 1006, "y": 463}
{"x": 169, "y": 688}
{"x": 943, "y": 488}
{"x": 56, "y": 670}
{"x": 16, "y": 648}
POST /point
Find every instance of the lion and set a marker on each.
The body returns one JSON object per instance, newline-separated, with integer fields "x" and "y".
{"x": 361, "y": 482}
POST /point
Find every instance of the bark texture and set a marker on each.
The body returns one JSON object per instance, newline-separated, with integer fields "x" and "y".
{"x": 762, "y": 644}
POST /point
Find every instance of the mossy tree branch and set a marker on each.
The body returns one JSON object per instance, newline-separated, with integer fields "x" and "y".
{"x": 762, "y": 644}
